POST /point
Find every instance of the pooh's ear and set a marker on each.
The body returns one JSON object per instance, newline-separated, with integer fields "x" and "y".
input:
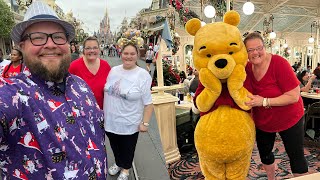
{"x": 232, "y": 17}
{"x": 192, "y": 26}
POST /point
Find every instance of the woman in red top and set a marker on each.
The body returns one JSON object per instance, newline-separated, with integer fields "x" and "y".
{"x": 15, "y": 67}
{"x": 277, "y": 106}
{"x": 91, "y": 68}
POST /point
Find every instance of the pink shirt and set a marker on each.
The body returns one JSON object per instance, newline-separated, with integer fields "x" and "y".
{"x": 96, "y": 82}
{"x": 278, "y": 79}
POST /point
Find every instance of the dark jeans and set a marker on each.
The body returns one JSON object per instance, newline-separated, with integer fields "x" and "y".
{"x": 293, "y": 142}
{"x": 123, "y": 147}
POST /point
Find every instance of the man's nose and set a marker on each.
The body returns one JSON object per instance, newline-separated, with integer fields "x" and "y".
{"x": 50, "y": 42}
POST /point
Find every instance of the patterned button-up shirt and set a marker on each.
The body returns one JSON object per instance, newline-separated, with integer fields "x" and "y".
{"x": 49, "y": 133}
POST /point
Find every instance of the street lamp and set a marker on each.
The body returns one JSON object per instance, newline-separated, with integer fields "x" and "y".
{"x": 314, "y": 25}
{"x": 266, "y": 27}
{"x": 209, "y": 11}
{"x": 248, "y": 8}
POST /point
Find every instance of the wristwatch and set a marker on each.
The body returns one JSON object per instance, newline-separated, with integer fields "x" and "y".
{"x": 145, "y": 124}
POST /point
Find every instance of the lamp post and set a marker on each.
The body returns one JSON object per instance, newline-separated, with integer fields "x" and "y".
{"x": 266, "y": 27}
{"x": 268, "y": 32}
{"x": 316, "y": 51}
{"x": 210, "y": 12}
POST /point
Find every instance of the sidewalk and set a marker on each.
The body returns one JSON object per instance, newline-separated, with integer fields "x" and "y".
{"x": 149, "y": 159}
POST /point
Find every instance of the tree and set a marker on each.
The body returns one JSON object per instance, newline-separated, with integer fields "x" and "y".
{"x": 6, "y": 20}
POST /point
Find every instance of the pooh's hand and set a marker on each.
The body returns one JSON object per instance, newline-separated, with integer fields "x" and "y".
{"x": 235, "y": 86}
{"x": 211, "y": 92}
{"x": 210, "y": 81}
{"x": 237, "y": 78}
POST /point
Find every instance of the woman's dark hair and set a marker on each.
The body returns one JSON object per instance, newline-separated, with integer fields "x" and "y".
{"x": 301, "y": 75}
{"x": 21, "y": 62}
{"x": 135, "y": 47}
{"x": 253, "y": 35}
{"x": 182, "y": 75}
{"x": 75, "y": 47}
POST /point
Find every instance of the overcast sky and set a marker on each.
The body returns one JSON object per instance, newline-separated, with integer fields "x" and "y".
{"x": 91, "y": 12}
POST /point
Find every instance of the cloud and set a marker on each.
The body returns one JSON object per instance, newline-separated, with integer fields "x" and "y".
{"x": 91, "y": 12}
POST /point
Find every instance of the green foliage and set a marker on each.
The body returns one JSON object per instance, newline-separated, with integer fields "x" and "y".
{"x": 286, "y": 53}
{"x": 220, "y": 6}
{"x": 170, "y": 76}
{"x": 6, "y": 20}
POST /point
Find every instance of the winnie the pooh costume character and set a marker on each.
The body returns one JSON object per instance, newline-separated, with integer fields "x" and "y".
{"x": 225, "y": 133}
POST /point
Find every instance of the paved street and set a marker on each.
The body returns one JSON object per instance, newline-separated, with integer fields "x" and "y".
{"x": 149, "y": 159}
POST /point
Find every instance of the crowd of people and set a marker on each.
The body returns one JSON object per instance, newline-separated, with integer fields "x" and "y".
{"x": 59, "y": 102}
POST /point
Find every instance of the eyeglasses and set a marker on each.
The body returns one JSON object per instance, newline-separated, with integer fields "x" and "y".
{"x": 91, "y": 48}
{"x": 40, "y": 38}
{"x": 251, "y": 50}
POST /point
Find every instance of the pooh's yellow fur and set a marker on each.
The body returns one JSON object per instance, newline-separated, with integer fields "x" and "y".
{"x": 224, "y": 137}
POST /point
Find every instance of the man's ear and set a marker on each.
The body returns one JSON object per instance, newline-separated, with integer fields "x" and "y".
{"x": 21, "y": 45}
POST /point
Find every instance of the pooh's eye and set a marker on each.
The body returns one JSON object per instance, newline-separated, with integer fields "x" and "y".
{"x": 231, "y": 53}
{"x": 208, "y": 55}
{"x": 233, "y": 44}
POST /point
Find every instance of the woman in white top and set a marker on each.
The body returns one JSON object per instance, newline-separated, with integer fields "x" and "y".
{"x": 127, "y": 108}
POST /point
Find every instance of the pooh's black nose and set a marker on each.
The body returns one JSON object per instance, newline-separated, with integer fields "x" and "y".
{"x": 221, "y": 63}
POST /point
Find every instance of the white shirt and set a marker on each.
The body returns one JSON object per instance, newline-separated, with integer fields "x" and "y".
{"x": 125, "y": 95}
{"x": 3, "y": 64}
{"x": 156, "y": 48}
{"x": 149, "y": 55}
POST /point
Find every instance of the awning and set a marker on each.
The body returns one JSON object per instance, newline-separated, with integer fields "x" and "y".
{"x": 156, "y": 28}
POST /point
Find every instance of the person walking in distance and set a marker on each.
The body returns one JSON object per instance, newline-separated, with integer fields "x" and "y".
{"x": 149, "y": 58}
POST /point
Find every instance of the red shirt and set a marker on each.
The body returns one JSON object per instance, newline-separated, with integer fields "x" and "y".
{"x": 12, "y": 71}
{"x": 278, "y": 79}
{"x": 96, "y": 82}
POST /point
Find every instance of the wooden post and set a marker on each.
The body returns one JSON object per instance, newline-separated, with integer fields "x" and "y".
{"x": 164, "y": 107}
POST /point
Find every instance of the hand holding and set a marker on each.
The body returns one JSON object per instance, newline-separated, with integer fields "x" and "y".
{"x": 255, "y": 101}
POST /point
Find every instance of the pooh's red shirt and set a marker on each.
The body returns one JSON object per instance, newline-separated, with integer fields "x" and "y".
{"x": 223, "y": 99}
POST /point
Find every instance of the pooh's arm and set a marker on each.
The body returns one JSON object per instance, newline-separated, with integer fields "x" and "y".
{"x": 210, "y": 93}
{"x": 235, "y": 86}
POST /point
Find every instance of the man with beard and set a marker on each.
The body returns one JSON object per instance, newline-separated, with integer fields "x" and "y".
{"x": 50, "y": 122}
